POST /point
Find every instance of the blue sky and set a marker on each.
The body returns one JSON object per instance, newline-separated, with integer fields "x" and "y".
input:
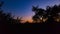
{"x": 23, "y": 8}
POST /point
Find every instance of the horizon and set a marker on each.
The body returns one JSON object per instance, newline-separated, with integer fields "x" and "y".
{"x": 23, "y": 8}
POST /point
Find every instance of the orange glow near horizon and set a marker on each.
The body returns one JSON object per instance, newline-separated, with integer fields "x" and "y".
{"x": 29, "y": 19}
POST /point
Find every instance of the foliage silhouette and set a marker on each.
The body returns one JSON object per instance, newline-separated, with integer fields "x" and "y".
{"x": 6, "y": 18}
{"x": 39, "y": 12}
{"x": 51, "y": 13}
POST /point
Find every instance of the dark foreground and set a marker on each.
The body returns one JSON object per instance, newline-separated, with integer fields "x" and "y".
{"x": 30, "y": 28}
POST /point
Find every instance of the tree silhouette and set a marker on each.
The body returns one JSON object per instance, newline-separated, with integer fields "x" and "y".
{"x": 51, "y": 12}
{"x": 6, "y": 18}
{"x": 39, "y": 12}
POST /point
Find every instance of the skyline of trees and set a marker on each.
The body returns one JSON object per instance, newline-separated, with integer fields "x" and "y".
{"x": 50, "y": 15}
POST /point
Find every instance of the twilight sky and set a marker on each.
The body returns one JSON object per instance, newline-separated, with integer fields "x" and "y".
{"x": 23, "y": 8}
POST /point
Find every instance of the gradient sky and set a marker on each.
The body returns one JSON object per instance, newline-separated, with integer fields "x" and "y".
{"x": 23, "y": 8}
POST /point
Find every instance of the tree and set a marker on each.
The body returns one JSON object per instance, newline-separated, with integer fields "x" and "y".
{"x": 51, "y": 13}
{"x": 39, "y": 12}
{"x": 6, "y": 18}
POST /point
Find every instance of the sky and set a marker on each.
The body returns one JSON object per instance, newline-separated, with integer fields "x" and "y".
{"x": 23, "y": 8}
